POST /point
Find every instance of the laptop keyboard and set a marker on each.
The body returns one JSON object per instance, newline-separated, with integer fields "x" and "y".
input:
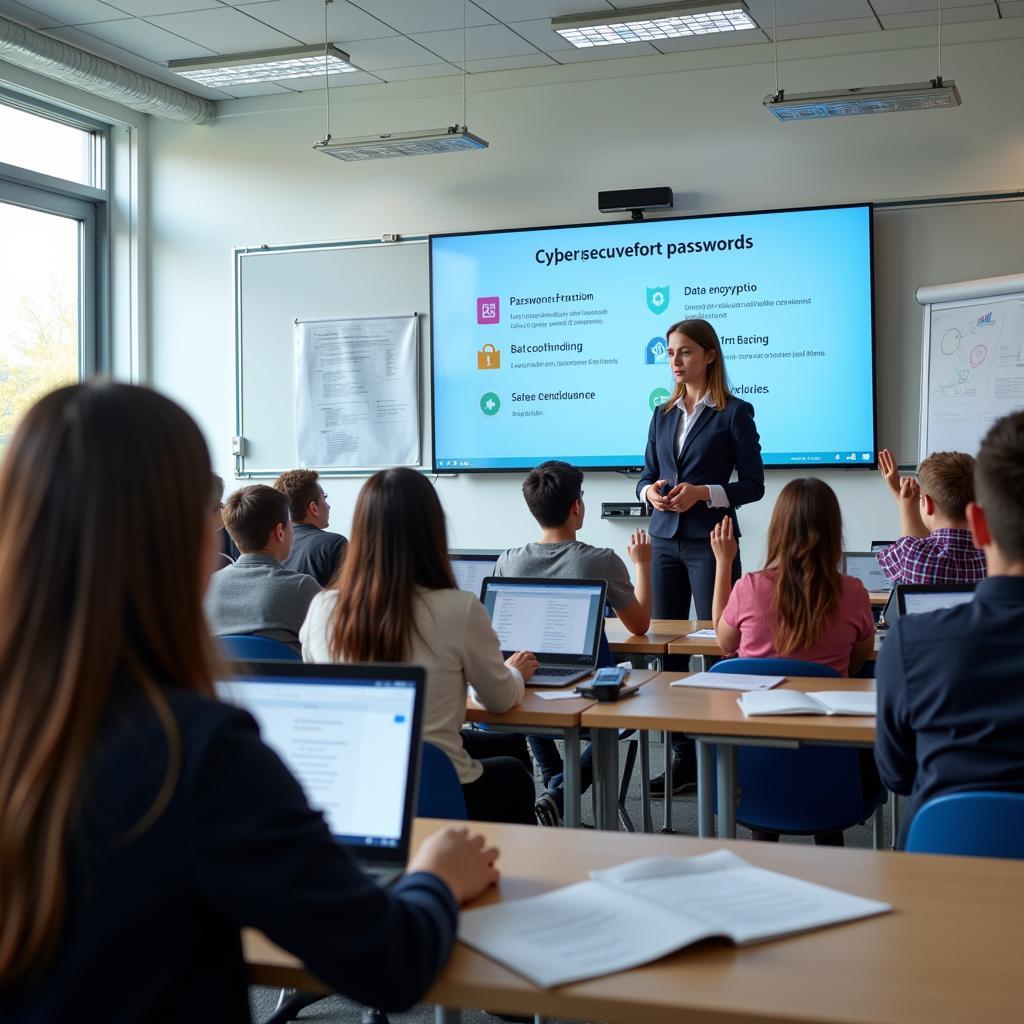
{"x": 555, "y": 673}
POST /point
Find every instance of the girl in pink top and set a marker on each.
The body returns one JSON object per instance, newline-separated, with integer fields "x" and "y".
{"x": 799, "y": 605}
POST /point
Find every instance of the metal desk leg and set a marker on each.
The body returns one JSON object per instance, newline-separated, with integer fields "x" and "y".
{"x": 878, "y": 828}
{"x": 447, "y": 1015}
{"x": 726, "y": 791}
{"x": 645, "y": 780}
{"x": 667, "y": 799}
{"x": 571, "y": 769}
{"x": 606, "y": 777}
{"x": 705, "y": 790}
{"x": 895, "y": 819}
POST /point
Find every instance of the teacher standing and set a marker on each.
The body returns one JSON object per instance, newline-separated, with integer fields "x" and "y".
{"x": 698, "y": 438}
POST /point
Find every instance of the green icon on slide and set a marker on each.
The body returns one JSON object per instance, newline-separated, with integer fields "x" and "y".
{"x": 657, "y": 397}
{"x": 490, "y": 403}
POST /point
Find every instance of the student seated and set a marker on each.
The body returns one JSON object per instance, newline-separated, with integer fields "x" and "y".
{"x": 799, "y": 606}
{"x": 396, "y": 600}
{"x": 315, "y": 552}
{"x": 554, "y": 496}
{"x": 934, "y": 544}
{"x": 144, "y": 823}
{"x": 257, "y": 596}
{"x": 950, "y": 693}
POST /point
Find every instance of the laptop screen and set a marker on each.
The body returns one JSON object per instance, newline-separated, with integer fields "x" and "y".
{"x": 863, "y": 566}
{"x": 917, "y": 600}
{"x": 471, "y": 570}
{"x": 349, "y": 734}
{"x": 559, "y": 620}
{"x": 877, "y": 545}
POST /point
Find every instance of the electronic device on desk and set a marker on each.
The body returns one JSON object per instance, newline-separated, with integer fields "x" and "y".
{"x": 607, "y": 685}
{"x": 877, "y": 545}
{"x": 918, "y": 599}
{"x": 625, "y": 510}
{"x": 471, "y": 568}
{"x": 863, "y": 566}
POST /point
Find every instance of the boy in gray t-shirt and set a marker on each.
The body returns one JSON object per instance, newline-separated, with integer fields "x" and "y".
{"x": 554, "y": 495}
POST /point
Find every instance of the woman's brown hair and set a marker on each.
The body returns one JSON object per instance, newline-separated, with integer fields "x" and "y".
{"x": 398, "y": 543}
{"x": 805, "y": 545}
{"x": 105, "y": 491}
{"x": 701, "y": 333}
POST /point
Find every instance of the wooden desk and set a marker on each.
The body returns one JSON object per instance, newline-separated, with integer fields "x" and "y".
{"x": 878, "y": 598}
{"x": 655, "y": 641}
{"x": 948, "y": 953}
{"x": 713, "y": 718}
{"x": 560, "y": 718}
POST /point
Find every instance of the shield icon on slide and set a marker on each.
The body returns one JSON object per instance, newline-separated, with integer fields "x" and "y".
{"x": 657, "y": 299}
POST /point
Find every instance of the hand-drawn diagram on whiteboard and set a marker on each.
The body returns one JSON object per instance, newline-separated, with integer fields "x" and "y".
{"x": 356, "y": 392}
{"x": 976, "y": 369}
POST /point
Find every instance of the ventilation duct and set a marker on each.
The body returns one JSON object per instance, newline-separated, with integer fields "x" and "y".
{"x": 50, "y": 57}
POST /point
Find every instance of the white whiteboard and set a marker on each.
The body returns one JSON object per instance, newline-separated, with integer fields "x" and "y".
{"x": 972, "y": 360}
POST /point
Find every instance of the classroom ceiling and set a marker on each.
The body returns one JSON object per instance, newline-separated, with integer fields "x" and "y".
{"x": 396, "y": 40}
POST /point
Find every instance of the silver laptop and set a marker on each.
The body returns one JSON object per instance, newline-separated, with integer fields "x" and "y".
{"x": 863, "y": 566}
{"x": 471, "y": 568}
{"x": 561, "y": 621}
{"x": 350, "y": 734}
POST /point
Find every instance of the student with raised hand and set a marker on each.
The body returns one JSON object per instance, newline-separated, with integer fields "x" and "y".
{"x": 143, "y": 823}
{"x": 396, "y": 600}
{"x": 935, "y": 544}
{"x": 554, "y": 496}
{"x": 950, "y": 697}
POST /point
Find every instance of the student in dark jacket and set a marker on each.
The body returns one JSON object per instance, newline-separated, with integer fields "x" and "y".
{"x": 698, "y": 437}
{"x": 143, "y": 824}
{"x": 315, "y": 552}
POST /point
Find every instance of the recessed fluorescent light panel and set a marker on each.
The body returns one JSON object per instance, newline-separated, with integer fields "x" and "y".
{"x": 878, "y": 99}
{"x": 263, "y": 66}
{"x": 649, "y": 24}
{"x": 384, "y": 147}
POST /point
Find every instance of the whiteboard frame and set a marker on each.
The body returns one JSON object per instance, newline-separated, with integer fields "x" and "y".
{"x": 239, "y": 253}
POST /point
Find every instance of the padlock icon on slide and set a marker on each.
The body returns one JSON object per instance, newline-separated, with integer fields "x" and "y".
{"x": 488, "y": 358}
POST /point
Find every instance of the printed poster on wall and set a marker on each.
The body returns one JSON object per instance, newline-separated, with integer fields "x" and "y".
{"x": 356, "y": 392}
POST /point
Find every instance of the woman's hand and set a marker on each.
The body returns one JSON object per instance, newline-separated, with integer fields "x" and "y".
{"x": 463, "y": 862}
{"x": 683, "y": 497}
{"x": 525, "y": 662}
{"x": 655, "y": 497}
{"x": 723, "y": 542}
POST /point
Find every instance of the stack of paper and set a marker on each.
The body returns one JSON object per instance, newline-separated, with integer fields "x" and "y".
{"x": 821, "y": 702}
{"x": 728, "y": 681}
{"x": 640, "y": 911}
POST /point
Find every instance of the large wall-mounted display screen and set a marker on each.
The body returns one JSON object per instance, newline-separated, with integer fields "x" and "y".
{"x": 550, "y": 343}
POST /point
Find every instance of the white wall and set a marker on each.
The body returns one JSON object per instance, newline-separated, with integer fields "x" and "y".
{"x": 558, "y": 135}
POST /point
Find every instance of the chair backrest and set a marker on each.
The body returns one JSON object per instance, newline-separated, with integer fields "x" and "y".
{"x": 258, "y": 648}
{"x": 772, "y": 667}
{"x": 971, "y": 825}
{"x": 440, "y": 793}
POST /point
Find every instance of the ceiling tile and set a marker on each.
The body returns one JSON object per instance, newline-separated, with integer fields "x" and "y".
{"x": 524, "y": 10}
{"x": 1011, "y": 8}
{"x": 337, "y": 81}
{"x": 305, "y": 20}
{"x": 525, "y": 60}
{"x": 811, "y": 29}
{"x": 800, "y": 12}
{"x": 480, "y": 43}
{"x": 143, "y": 8}
{"x": 911, "y": 6}
{"x": 256, "y": 89}
{"x": 224, "y": 30}
{"x": 393, "y": 52}
{"x": 411, "y": 16}
{"x": 539, "y": 33}
{"x": 423, "y": 71}
{"x": 572, "y": 55}
{"x": 145, "y": 40}
{"x": 949, "y": 16}
{"x": 25, "y": 16}
{"x": 753, "y": 35}
{"x": 76, "y": 12}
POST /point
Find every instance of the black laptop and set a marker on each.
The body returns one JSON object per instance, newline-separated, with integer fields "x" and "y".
{"x": 471, "y": 568}
{"x": 918, "y": 598}
{"x": 351, "y": 736}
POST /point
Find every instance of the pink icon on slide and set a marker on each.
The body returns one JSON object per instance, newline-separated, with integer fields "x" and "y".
{"x": 487, "y": 311}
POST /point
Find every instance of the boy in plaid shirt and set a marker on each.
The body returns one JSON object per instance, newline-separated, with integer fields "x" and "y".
{"x": 935, "y": 544}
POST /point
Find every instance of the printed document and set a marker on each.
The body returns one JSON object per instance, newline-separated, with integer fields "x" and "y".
{"x": 728, "y": 681}
{"x": 822, "y": 702}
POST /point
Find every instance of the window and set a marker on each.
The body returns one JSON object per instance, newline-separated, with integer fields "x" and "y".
{"x": 53, "y": 213}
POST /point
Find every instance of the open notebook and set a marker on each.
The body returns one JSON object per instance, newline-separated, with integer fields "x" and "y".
{"x": 637, "y": 912}
{"x": 821, "y": 702}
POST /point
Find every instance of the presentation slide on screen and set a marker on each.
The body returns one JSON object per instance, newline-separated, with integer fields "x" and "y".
{"x": 550, "y": 343}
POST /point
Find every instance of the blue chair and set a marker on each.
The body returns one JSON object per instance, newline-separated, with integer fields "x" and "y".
{"x": 799, "y": 792}
{"x": 440, "y": 793}
{"x": 970, "y": 825}
{"x": 258, "y": 648}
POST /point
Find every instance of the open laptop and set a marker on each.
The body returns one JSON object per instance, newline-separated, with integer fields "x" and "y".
{"x": 863, "y": 566}
{"x": 561, "y": 621}
{"x": 350, "y": 734}
{"x": 471, "y": 568}
{"x": 917, "y": 598}
{"x": 877, "y": 545}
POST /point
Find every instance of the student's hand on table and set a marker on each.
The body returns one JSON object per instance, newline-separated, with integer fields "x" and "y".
{"x": 463, "y": 862}
{"x": 526, "y": 662}
{"x": 639, "y": 547}
{"x": 910, "y": 490}
{"x": 655, "y": 497}
{"x": 723, "y": 541}
{"x": 890, "y": 471}
{"x": 684, "y": 496}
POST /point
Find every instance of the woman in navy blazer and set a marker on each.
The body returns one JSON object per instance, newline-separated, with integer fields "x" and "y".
{"x": 698, "y": 437}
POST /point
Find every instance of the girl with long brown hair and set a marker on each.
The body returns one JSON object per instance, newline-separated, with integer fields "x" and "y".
{"x": 142, "y": 822}
{"x": 799, "y": 606}
{"x": 396, "y": 600}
